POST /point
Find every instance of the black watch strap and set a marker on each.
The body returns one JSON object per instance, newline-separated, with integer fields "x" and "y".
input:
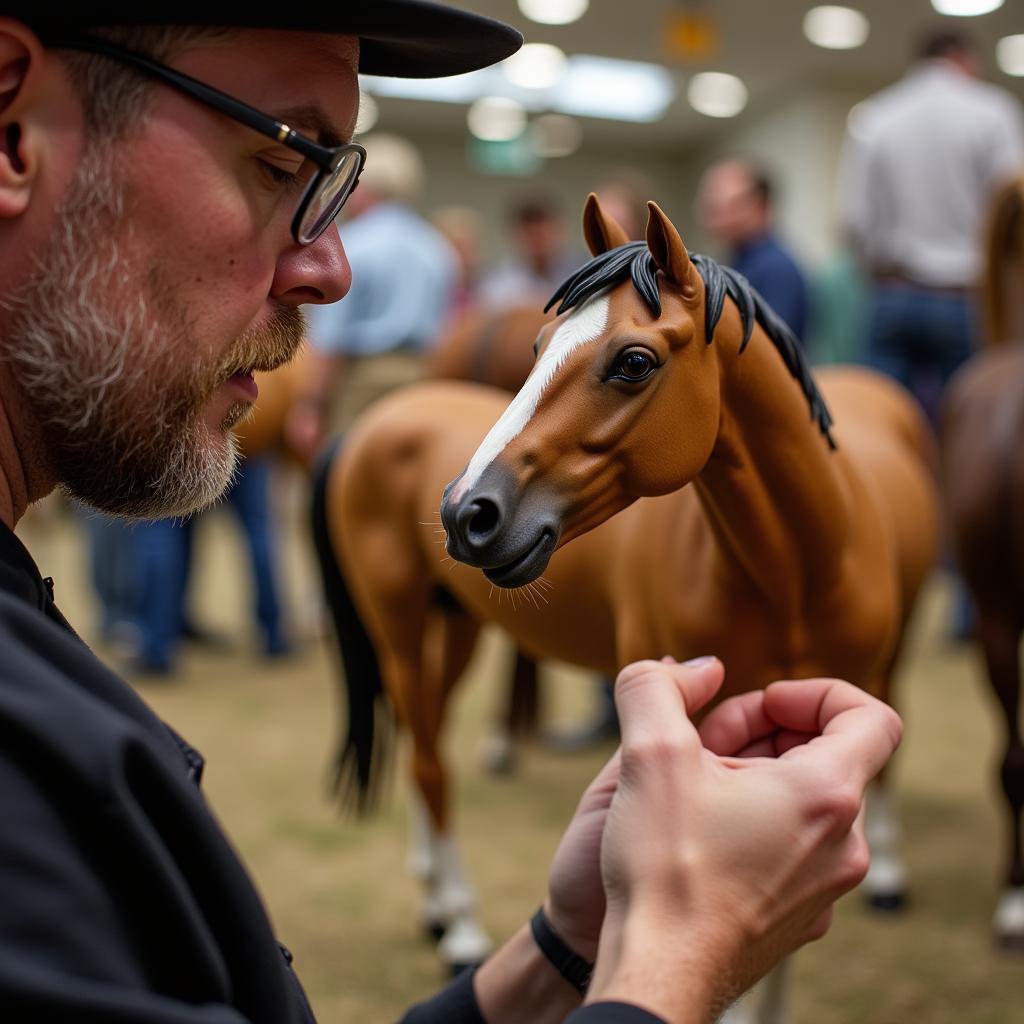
{"x": 570, "y": 965}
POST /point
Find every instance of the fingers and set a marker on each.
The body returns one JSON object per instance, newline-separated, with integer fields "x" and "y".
{"x": 656, "y": 699}
{"x": 742, "y": 727}
{"x": 598, "y": 795}
{"x": 736, "y": 725}
{"x": 861, "y": 732}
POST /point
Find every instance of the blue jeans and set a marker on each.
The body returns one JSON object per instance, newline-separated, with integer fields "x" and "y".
{"x": 920, "y": 337}
{"x": 165, "y": 555}
{"x": 250, "y": 498}
{"x": 113, "y": 568}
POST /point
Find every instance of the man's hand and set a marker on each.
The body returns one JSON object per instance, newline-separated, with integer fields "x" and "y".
{"x": 575, "y": 904}
{"x": 723, "y": 850}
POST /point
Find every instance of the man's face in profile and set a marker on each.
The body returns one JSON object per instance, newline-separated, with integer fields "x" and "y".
{"x": 170, "y": 274}
{"x": 728, "y": 206}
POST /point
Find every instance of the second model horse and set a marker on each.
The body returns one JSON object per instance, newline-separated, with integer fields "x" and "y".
{"x": 983, "y": 472}
{"x": 668, "y": 481}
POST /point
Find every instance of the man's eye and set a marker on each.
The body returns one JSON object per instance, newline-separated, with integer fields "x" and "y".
{"x": 633, "y": 366}
{"x": 279, "y": 175}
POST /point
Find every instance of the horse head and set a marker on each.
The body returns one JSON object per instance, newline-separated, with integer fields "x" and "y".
{"x": 623, "y": 402}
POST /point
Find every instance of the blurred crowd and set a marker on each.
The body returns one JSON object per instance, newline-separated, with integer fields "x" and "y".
{"x": 920, "y": 164}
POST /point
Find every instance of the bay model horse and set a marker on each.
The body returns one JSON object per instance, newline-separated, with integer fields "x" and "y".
{"x": 983, "y": 472}
{"x": 1001, "y": 291}
{"x": 798, "y": 550}
{"x": 983, "y": 475}
{"x": 488, "y": 346}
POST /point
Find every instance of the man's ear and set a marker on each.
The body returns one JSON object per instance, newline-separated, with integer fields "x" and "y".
{"x": 21, "y": 57}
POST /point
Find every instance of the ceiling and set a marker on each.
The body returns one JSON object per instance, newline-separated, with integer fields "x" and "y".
{"x": 761, "y": 41}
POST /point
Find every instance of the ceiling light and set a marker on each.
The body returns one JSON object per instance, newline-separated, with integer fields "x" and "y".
{"x": 496, "y": 119}
{"x": 966, "y": 8}
{"x": 555, "y": 135}
{"x": 554, "y": 12}
{"x": 715, "y": 94}
{"x": 1010, "y": 55}
{"x": 535, "y": 66}
{"x": 836, "y": 28}
{"x": 625, "y": 90}
{"x": 369, "y": 113}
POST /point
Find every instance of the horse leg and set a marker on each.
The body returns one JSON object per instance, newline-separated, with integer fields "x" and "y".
{"x": 772, "y": 992}
{"x": 765, "y": 1003}
{"x": 450, "y": 905}
{"x": 520, "y": 717}
{"x": 1001, "y": 639}
{"x": 885, "y": 886}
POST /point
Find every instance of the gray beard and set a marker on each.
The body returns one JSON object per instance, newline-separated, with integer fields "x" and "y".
{"x": 112, "y": 372}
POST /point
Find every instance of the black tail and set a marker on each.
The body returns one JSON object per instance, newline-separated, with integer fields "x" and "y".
{"x": 360, "y": 764}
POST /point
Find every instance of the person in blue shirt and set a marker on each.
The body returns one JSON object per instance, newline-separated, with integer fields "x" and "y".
{"x": 404, "y": 279}
{"x": 735, "y": 207}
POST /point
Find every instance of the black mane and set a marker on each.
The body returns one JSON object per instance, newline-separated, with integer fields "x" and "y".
{"x": 634, "y": 260}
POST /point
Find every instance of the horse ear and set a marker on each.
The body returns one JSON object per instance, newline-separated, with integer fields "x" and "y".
{"x": 668, "y": 250}
{"x": 601, "y": 231}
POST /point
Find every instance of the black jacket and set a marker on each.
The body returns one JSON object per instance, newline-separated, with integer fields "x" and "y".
{"x": 121, "y": 899}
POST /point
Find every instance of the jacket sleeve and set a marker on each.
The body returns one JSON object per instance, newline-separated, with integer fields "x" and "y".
{"x": 612, "y": 1013}
{"x": 66, "y": 946}
{"x": 454, "y": 1004}
{"x": 457, "y": 1004}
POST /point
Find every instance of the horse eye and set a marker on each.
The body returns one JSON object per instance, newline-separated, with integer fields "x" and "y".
{"x": 633, "y": 366}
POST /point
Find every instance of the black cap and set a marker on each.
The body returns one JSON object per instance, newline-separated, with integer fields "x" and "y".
{"x": 404, "y": 38}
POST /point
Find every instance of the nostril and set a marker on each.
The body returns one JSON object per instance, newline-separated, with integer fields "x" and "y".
{"x": 484, "y": 519}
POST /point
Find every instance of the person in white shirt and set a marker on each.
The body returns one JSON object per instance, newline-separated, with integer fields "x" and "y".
{"x": 921, "y": 162}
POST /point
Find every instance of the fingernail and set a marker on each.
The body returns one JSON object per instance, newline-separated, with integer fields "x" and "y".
{"x": 699, "y": 662}
{"x": 668, "y": 660}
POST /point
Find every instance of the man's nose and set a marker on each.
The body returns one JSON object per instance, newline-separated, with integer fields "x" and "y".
{"x": 318, "y": 273}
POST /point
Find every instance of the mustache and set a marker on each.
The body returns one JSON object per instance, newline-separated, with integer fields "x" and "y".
{"x": 266, "y": 347}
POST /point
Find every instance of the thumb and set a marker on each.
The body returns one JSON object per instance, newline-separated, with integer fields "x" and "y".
{"x": 655, "y": 699}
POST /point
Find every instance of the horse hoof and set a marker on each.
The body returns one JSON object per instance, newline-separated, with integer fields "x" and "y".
{"x": 1011, "y": 944}
{"x": 1008, "y": 923}
{"x": 498, "y": 755}
{"x": 887, "y": 902}
{"x": 464, "y": 944}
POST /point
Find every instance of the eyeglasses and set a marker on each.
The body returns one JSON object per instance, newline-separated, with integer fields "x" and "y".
{"x": 339, "y": 167}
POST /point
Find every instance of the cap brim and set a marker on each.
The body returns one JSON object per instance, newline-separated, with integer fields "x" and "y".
{"x": 401, "y": 38}
{"x": 409, "y": 39}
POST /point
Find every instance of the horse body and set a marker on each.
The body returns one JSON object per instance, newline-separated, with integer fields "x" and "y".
{"x": 612, "y": 596}
{"x": 487, "y": 346}
{"x": 983, "y": 463}
{"x": 785, "y": 558}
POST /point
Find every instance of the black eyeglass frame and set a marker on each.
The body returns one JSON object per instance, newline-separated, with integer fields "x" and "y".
{"x": 326, "y": 158}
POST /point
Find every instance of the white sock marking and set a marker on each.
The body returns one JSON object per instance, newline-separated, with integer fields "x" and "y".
{"x": 585, "y": 324}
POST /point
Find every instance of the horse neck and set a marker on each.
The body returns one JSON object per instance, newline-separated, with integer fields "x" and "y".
{"x": 772, "y": 488}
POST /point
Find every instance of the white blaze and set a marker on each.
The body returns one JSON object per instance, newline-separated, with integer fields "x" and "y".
{"x": 585, "y": 324}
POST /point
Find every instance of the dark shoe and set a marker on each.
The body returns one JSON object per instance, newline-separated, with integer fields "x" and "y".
{"x": 150, "y": 668}
{"x": 278, "y": 648}
{"x": 216, "y": 643}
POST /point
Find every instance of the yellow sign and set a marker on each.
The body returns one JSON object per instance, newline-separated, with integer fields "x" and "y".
{"x": 691, "y": 35}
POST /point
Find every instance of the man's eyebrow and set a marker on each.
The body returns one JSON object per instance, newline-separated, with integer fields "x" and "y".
{"x": 310, "y": 119}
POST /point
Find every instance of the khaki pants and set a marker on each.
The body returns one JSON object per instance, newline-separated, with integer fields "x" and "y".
{"x": 369, "y": 378}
